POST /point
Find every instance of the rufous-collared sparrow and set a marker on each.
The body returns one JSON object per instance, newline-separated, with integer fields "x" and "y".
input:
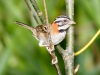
{"x": 57, "y": 30}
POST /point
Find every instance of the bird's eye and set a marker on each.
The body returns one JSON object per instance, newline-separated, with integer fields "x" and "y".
{"x": 65, "y": 20}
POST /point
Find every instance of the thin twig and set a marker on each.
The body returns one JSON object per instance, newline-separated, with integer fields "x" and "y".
{"x": 38, "y": 11}
{"x": 88, "y": 44}
{"x": 41, "y": 16}
{"x": 57, "y": 69}
{"x": 76, "y": 69}
{"x": 51, "y": 47}
{"x": 60, "y": 49}
{"x": 46, "y": 14}
{"x": 32, "y": 12}
{"x": 56, "y": 64}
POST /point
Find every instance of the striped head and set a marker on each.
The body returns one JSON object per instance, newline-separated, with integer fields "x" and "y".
{"x": 63, "y": 22}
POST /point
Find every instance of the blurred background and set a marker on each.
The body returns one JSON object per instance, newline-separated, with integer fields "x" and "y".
{"x": 19, "y": 50}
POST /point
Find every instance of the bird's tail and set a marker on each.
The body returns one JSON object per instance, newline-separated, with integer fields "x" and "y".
{"x": 24, "y": 25}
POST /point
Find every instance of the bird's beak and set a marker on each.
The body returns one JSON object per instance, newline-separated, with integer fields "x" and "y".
{"x": 72, "y": 22}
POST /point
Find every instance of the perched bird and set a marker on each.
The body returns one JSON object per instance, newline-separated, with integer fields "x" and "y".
{"x": 57, "y": 30}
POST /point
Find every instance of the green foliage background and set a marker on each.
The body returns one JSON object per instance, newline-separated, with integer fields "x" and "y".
{"x": 19, "y": 50}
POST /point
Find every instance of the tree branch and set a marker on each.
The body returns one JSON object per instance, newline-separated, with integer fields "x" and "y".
{"x": 68, "y": 56}
{"x": 51, "y": 46}
{"x": 32, "y": 12}
{"x": 60, "y": 49}
{"x": 46, "y": 14}
{"x": 38, "y": 11}
{"x": 41, "y": 16}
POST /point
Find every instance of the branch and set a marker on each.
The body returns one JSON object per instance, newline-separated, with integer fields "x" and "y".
{"x": 46, "y": 15}
{"x": 51, "y": 46}
{"x": 38, "y": 11}
{"x": 32, "y": 12}
{"x": 60, "y": 49}
{"x": 68, "y": 56}
{"x": 54, "y": 59}
{"x": 41, "y": 16}
{"x": 76, "y": 69}
{"x": 88, "y": 44}
{"x": 57, "y": 69}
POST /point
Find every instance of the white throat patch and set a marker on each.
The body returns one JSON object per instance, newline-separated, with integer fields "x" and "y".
{"x": 63, "y": 27}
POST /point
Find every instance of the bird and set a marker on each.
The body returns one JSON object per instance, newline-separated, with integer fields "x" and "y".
{"x": 57, "y": 30}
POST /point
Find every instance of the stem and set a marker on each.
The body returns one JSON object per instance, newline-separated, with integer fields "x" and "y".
{"x": 32, "y": 12}
{"x": 38, "y": 11}
{"x": 46, "y": 15}
{"x": 41, "y": 16}
{"x": 51, "y": 47}
{"x": 89, "y": 43}
{"x": 56, "y": 64}
{"x": 60, "y": 49}
{"x": 68, "y": 56}
{"x": 76, "y": 69}
{"x": 57, "y": 69}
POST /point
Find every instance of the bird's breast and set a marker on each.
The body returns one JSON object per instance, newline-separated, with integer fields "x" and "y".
{"x": 57, "y": 38}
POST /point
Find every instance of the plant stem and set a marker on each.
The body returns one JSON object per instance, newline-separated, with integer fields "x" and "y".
{"x": 41, "y": 16}
{"x": 38, "y": 11}
{"x": 68, "y": 56}
{"x": 88, "y": 44}
{"x": 46, "y": 14}
{"x": 60, "y": 49}
{"x": 57, "y": 69}
{"x": 32, "y": 12}
{"x": 51, "y": 47}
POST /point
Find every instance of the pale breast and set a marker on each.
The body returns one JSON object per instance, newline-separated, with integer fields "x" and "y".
{"x": 57, "y": 38}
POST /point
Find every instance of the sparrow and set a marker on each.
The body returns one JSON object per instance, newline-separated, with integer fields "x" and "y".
{"x": 57, "y": 30}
